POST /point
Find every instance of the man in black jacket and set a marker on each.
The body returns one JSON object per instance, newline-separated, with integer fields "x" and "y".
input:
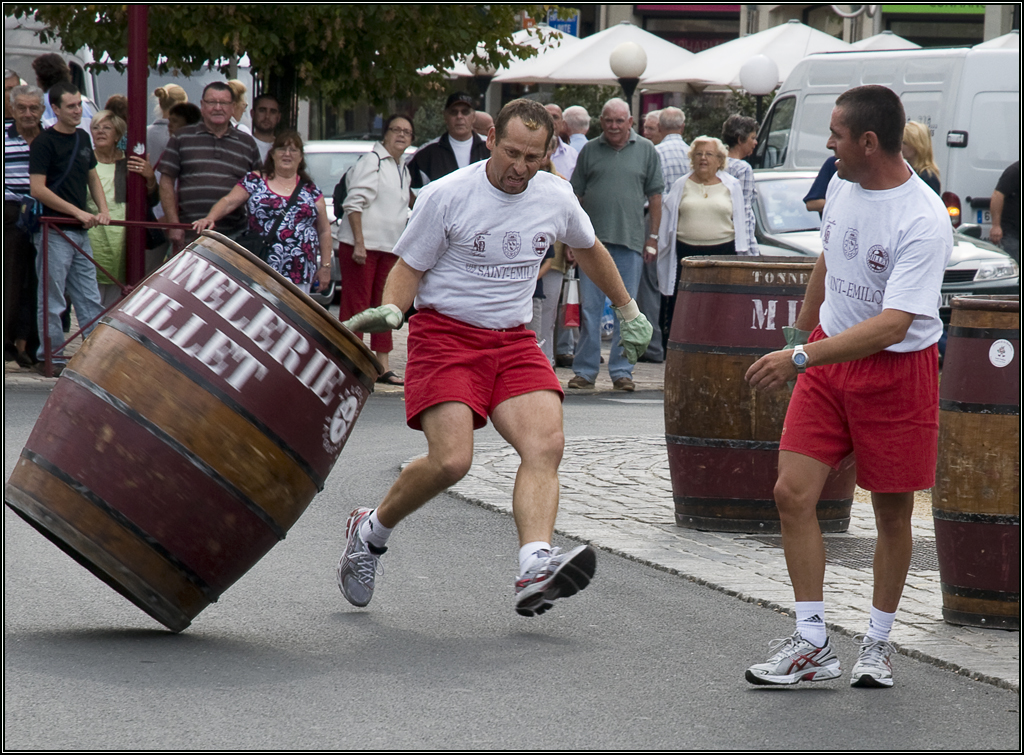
{"x": 456, "y": 148}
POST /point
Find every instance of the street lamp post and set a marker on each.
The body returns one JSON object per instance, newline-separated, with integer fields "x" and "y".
{"x": 628, "y": 62}
{"x": 759, "y": 76}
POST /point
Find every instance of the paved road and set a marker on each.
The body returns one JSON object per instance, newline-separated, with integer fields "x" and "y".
{"x": 641, "y": 660}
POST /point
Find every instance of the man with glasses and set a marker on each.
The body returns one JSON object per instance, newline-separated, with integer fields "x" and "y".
{"x": 266, "y": 115}
{"x": 206, "y": 161}
{"x": 454, "y": 149}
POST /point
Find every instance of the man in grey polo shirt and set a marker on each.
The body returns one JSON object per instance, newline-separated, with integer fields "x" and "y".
{"x": 615, "y": 175}
{"x": 206, "y": 161}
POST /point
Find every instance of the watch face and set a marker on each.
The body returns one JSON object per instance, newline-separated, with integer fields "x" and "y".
{"x": 799, "y": 358}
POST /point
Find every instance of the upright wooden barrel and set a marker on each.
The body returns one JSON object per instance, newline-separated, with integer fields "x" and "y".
{"x": 722, "y": 436}
{"x": 192, "y": 429}
{"x": 976, "y": 498}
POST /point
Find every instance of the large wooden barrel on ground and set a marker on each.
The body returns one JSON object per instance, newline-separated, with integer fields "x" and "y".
{"x": 976, "y": 498}
{"x": 722, "y": 436}
{"x": 192, "y": 429}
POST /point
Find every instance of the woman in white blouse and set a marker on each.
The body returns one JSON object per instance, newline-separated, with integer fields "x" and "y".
{"x": 703, "y": 213}
{"x": 376, "y": 211}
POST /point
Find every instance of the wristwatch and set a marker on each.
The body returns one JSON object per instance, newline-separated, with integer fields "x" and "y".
{"x": 799, "y": 359}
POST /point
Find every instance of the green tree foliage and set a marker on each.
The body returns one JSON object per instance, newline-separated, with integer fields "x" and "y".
{"x": 349, "y": 52}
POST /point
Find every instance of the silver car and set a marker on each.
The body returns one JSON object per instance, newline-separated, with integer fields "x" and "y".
{"x": 784, "y": 226}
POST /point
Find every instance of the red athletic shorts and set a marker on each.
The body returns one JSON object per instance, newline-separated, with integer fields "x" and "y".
{"x": 884, "y": 408}
{"x": 452, "y": 361}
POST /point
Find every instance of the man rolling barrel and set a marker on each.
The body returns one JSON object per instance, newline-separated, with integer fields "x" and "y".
{"x": 469, "y": 258}
{"x": 867, "y": 380}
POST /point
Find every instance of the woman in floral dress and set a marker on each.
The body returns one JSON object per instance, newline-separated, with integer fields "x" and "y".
{"x": 302, "y": 247}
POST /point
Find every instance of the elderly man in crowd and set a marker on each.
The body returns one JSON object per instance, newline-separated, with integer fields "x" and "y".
{"x": 454, "y": 149}
{"x": 675, "y": 163}
{"x": 615, "y": 175}
{"x": 564, "y": 157}
{"x": 652, "y": 130}
{"x": 21, "y": 338}
{"x": 577, "y": 124}
{"x": 206, "y": 160}
{"x": 482, "y": 123}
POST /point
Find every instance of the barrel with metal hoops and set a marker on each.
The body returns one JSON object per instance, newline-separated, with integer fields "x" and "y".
{"x": 192, "y": 429}
{"x": 722, "y": 436}
{"x": 976, "y": 498}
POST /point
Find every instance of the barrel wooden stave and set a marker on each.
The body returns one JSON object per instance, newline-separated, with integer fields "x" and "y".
{"x": 147, "y": 470}
{"x": 976, "y": 498}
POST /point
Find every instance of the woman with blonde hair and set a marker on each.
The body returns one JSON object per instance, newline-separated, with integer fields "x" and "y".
{"x": 917, "y": 150}
{"x": 157, "y": 133}
{"x": 241, "y": 105}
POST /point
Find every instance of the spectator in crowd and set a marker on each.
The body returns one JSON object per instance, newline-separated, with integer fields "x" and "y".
{"x": 675, "y": 163}
{"x": 181, "y": 115}
{"x": 21, "y": 337}
{"x": 815, "y": 199}
{"x": 577, "y": 125}
{"x": 1005, "y": 210}
{"x": 917, "y": 150}
{"x": 482, "y": 123}
{"x": 50, "y": 69}
{"x": 376, "y": 210}
{"x": 704, "y": 214}
{"x": 652, "y": 127}
{"x": 615, "y": 174}
{"x": 112, "y": 168}
{"x": 11, "y": 80}
{"x": 287, "y": 209}
{"x": 206, "y": 160}
{"x": 157, "y": 133}
{"x": 454, "y": 149}
{"x": 240, "y": 106}
{"x": 62, "y": 170}
{"x": 739, "y": 133}
{"x": 266, "y": 115}
{"x": 118, "y": 105}
{"x": 564, "y": 157}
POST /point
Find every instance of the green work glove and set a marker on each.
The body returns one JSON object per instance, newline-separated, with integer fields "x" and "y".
{"x": 794, "y": 337}
{"x": 376, "y": 320}
{"x": 634, "y": 330}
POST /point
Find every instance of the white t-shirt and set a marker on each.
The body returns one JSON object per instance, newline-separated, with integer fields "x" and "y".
{"x": 885, "y": 250}
{"x": 462, "y": 150}
{"x": 481, "y": 248}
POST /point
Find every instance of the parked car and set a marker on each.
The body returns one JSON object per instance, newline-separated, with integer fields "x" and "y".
{"x": 784, "y": 226}
{"x": 327, "y": 162}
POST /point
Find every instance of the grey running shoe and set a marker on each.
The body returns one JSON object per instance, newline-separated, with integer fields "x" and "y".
{"x": 794, "y": 660}
{"x": 557, "y": 576}
{"x": 358, "y": 566}
{"x": 874, "y": 666}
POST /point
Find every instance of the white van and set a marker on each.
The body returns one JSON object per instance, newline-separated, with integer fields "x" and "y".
{"x": 969, "y": 98}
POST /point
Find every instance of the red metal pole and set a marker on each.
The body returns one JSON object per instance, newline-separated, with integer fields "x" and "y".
{"x": 138, "y": 74}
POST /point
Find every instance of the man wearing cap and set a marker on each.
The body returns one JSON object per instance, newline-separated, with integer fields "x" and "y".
{"x": 456, "y": 148}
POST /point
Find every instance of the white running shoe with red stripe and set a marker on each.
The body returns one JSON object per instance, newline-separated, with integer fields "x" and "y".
{"x": 795, "y": 660}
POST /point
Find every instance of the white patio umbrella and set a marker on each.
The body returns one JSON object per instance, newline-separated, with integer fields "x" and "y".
{"x": 1009, "y": 41}
{"x": 786, "y": 44}
{"x": 885, "y": 41}
{"x": 588, "y": 61}
{"x": 553, "y": 40}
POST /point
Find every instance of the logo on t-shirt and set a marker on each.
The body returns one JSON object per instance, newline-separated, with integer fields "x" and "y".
{"x": 850, "y": 244}
{"x": 511, "y": 245}
{"x": 878, "y": 259}
{"x": 540, "y": 244}
{"x": 828, "y": 231}
{"x": 479, "y": 244}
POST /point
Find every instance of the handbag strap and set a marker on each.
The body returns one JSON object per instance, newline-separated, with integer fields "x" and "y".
{"x": 291, "y": 203}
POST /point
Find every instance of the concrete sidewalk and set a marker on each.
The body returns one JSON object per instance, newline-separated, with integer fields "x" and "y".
{"x": 622, "y": 503}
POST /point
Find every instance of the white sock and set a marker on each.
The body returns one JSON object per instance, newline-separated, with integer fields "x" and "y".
{"x": 810, "y": 621}
{"x": 373, "y": 532}
{"x": 880, "y": 624}
{"x": 532, "y": 552}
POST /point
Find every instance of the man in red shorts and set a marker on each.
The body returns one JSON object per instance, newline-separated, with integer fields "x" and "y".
{"x": 867, "y": 380}
{"x": 469, "y": 257}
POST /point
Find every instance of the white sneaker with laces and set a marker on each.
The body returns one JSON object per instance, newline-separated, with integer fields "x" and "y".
{"x": 559, "y": 575}
{"x": 874, "y": 664}
{"x": 359, "y": 566}
{"x": 795, "y": 660}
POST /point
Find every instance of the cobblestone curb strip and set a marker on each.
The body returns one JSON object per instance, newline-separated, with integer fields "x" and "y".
{"x": 622, "y": 503}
